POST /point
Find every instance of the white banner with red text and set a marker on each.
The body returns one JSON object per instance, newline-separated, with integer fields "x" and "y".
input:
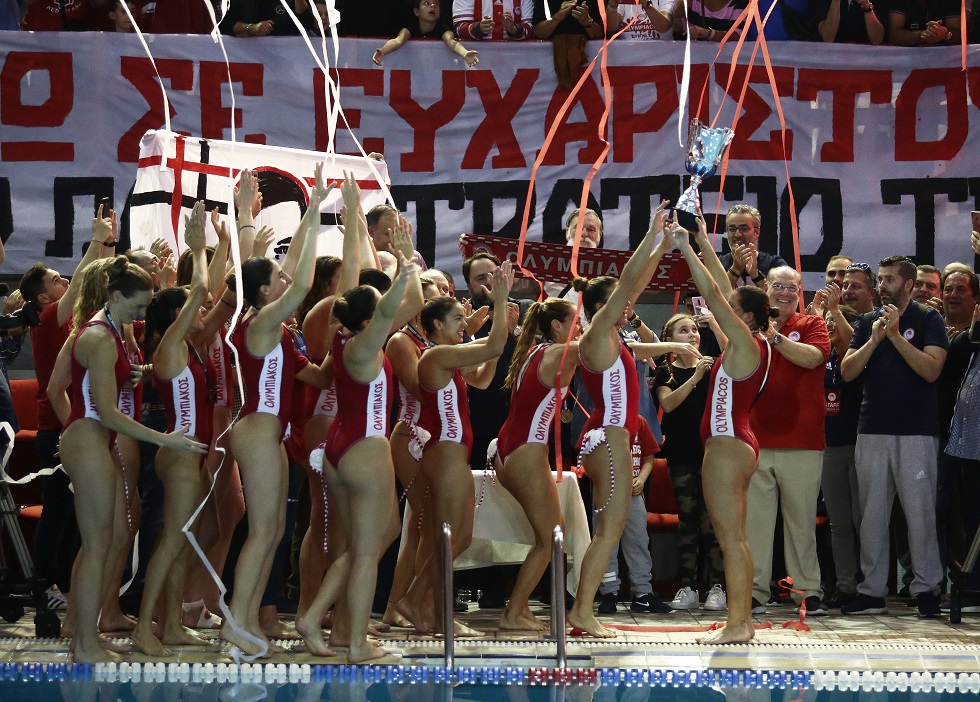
{"x": 881, "y": 142}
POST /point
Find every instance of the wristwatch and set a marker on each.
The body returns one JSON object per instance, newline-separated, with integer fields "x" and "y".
{"x": 635, "y": 321}
{"x": 758, "y": 277}
{"x": 778, "y": 339}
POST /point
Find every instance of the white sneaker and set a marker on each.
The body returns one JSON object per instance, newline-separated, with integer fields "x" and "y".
{"x": 686, "y": 598}
{"x": 716, "y": 601}
{"x": 57, "y": 602}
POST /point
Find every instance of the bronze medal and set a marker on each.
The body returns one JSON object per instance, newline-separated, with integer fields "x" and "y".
{"x": 566, "y": 416}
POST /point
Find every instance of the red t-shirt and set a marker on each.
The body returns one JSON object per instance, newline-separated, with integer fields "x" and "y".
{"x": 789, "y": 414}
{"x": 644, "y": 445}
{"x": 46, "y": 341}
{"x": 47, "y": 15}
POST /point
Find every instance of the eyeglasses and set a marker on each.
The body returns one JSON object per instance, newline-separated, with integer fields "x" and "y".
{"x": 859, "y": 267}
{"x": 742, "y": 228}
{"x": 779, "y": 287}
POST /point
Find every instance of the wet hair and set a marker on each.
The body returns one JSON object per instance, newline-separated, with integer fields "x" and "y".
{"x": 185, "y": 265}
{"x": 93, "y": 292}
{"x": 438, "y": 308}
{"x": 906, "y": 269}
{"x": 756, "y": 302}
{"x": 161, "y": 313}
{"x": 356, "y": 306}
{"x": 375, "y": 214}
{"x": 594, "y": 292}
{"x": 378, "y": 280}
{"x": 256, "y": 272}
{"x": 742, "y": 208}
{"x": 482, "y": 256}
{"x": 32, "y": 282}
{"x": 537, "y": 323}
{"x": 128, "y": 278}
{"x": 668, "y": 330}
{"x": 323, "y": 273}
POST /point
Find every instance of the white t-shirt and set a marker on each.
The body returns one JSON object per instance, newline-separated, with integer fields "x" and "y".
{"x": 643, "y": 27}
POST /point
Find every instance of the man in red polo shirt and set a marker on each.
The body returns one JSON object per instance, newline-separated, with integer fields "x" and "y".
{"x": 55, "y": 299}
{"x": 788, "y": 421}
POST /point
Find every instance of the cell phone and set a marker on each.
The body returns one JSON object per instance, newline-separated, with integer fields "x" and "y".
{"x": 975, "y": 219}
{"x": 700, "y": 307}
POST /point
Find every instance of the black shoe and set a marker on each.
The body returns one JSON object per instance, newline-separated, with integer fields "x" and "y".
{"x": 460, "y": 605}
{"x": 928, "y": 604}
{"x": 814, "y": 607}
{"x": 838, "y": 599}
{"x": 608, "y": 604}
{"x": 865, "y": 604}
{"x": 651, "y": 603}
{"x": 904, "y": 594}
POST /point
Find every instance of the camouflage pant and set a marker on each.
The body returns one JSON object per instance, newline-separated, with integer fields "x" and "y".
{"x": 695, "y": 538}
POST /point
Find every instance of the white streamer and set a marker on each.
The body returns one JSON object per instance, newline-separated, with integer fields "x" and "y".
{"x": 685, "y": 83}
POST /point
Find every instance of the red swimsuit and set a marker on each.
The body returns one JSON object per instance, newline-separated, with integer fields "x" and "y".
{"x": 532, "y": 407}
{"x": 82, "y": 402}
{"x": 410, "y": 408}
{"x": 446, "y": 413}
{"x": 615, "y": 393}
{"x": 189, "y": 398}
{"x": 731, "y": 400}
{"x": 364, "y": 408}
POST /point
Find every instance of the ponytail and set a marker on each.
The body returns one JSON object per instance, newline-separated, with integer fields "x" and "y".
{"x": 594, "y": 292}
{"x": 127, "y": 278}
{"x": 537, "y": 322}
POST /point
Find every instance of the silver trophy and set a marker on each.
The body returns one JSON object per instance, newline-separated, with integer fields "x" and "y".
{"x": 705, "y": 148}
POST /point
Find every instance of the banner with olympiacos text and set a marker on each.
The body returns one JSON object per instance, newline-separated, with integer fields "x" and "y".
{"x": 881, "y": 142}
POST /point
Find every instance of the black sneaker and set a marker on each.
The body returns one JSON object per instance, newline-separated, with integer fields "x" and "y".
{"x": 865, "y": 604}
{"x": 928, "y": 604}
{"x": 608, "y": 604}
{"x": 758, "y": 607}
{"x": 838, "y": 599}
{"x": 651, "y": 603}
{"x": 814, "y": 607}
{"x": 460, "y": 605}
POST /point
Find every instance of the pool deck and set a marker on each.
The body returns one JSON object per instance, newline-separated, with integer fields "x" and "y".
{"x": 898, "y": 641}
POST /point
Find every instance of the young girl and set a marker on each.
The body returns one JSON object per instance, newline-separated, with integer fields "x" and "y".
{"x": 426, "y": 23}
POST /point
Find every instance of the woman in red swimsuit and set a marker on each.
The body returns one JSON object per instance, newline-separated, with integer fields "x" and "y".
{"x": 269, "y": 363}
{"x": 356, "y": 458}
{"x": 100, "y": 367}
{"x": 731, "y": 452}
{"x": 448, "y": 367}
{"x": 522, "y": 445}
{"x": 175, "y": 337}
{"x": 609, "y": 374}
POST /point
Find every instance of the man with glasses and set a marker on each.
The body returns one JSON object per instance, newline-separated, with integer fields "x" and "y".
{"x": 900, "y": 351}
{"x": 788, "y": 421}
{"x": 746, "y": 265}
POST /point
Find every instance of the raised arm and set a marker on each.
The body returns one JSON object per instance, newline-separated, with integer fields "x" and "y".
{"x": 104, "y": 230}
{"x": 355, "y": 229}
{"x": 364, "y": 347}
{"x": 643, "y": 351}
{"x": 412, "y": 299}
{"x": 246, "y": 198}
{"x": 219, "y": 261}
{"x": 711, "y": 260}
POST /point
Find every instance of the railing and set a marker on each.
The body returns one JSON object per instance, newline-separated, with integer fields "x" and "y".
{"x": 447, "y": 594}
{"x": 558, "y": 597}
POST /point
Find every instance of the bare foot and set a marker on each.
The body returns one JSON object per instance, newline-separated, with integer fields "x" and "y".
{"x": 416, "y": 618}
{"x": 590, "y": 625}
{"x": 313, "y": 637}
{"x": 368, "y": 651}
{"x": 112, "y": 647}
{"x": 247, "y": 646}
{"x": 729, "y": 634}
{"x": 375, "y": 627}
{"x": 182, "y": 636}
{"x": 149, "y": 644}
{"x": 116, "y": 622}
{"x": 522, "y": 621}
{"x": 96, "y": 654}
{"x": 278, "y": 630}
{"x": 463, "y": 631}
{"x": 393, "y": 617}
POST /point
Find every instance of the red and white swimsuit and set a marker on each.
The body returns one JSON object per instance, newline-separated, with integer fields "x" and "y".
{"x": 268, "y": 380}
{"x": 731, "y": 400}
{"x": 364, "y": 408}
{"x": 409, "y": 407}
{"x": 188, "y": 398}
{"x": 82, "y": 401}
{"x": 616, "y": 395}
{"x": 219, "y": 357}
{"x": 321, "y": 401}
{"x": 446, "y": 413}
{"x": 532, "y": 407}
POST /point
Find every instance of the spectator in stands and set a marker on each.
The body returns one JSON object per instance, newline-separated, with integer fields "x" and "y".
{"x": 960, "y": 296}
{"x": 848, "y": 21}
{"x": 859, "y": 288}
{"x": 833, "y": 275}
{"x": 572, "y": 23}
{"x": 745, "y": 263}
{"x": 653, "y": 20}
{"x": 681, "y": 386}
{"x": 427, "y": 23}
{"x": 261, "y": 18}
{"x": 928, "y": 287}
{"x": 11, "y": 15}
{"x": 788, "y": 421}
{"x": 913, "y": 23}
{"x": 707, "y": 20}
{"x": 382, "y": 221}
{"x": 60, "y": 15}
{"x": 707, "y": 325}
{"x": 176, "y": 17}
{"x": 120, "y": 19}
{"x": 900, "y": 350}
{"x": 493, "y": 20}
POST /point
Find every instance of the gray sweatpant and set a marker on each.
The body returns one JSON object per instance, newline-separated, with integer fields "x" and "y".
{"x": 907, "y": 465}
{"x": 635, "y": 543}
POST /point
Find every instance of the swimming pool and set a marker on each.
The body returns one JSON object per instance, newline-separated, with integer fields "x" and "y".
{"x": 181, "y": 682}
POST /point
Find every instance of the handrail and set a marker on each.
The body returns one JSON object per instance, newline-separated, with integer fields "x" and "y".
{"x": 447, "y": 594}
{"x": 558, "y": 597}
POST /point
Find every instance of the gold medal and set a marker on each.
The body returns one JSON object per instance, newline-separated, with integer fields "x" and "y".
{"x": 566, "y": 416}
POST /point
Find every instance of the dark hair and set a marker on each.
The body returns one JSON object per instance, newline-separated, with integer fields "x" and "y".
{"x": 378, "y": 280}
{"x": 963, "y": 269}
{"x": 356, "y": 306}
{"x": 849, "y": 313}
{"x": 323, "y": 272}
{"x": 482, "y": 256}
{"x": 906, "y": 268}
{"x": 537, "y": 322}
{"x": 756, "y": 302}
{"x": 256, "y": 272}
{"x": 865, "y": 269}
{"x": 594, "y": 292}
{"x": 32, "y": 282}
{"x": 436, "y": 309}
{"x": 928, "y": 269}
{"x": 185, "y": 265}
{"x": 375, "y": 214}
{"x": 127, "y": 278}
{"x": 161, "y": 313}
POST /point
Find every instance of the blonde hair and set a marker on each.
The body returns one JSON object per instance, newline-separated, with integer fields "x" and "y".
{"x": 93, "y": 292}
{"x": 537, "y": 322}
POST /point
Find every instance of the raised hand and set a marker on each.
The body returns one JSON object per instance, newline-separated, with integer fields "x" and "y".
{"x": 220, "y": 227}
{"x": 351, "y": 193}
{"x": 101, "y": 227}
{"x": 320, "y": 189}
{"x": 475, "y": 319}
{"x": 248, "y": 191}
{"x": 160, "y": 248}
{"x": 401, "y": 241}
{"x": 263, "y": 240}
{"x": 194, "y": 227}
{"x": 677, "y": 237}
{"x": 975, "y": 242}
{"x": 168, "y": 272}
